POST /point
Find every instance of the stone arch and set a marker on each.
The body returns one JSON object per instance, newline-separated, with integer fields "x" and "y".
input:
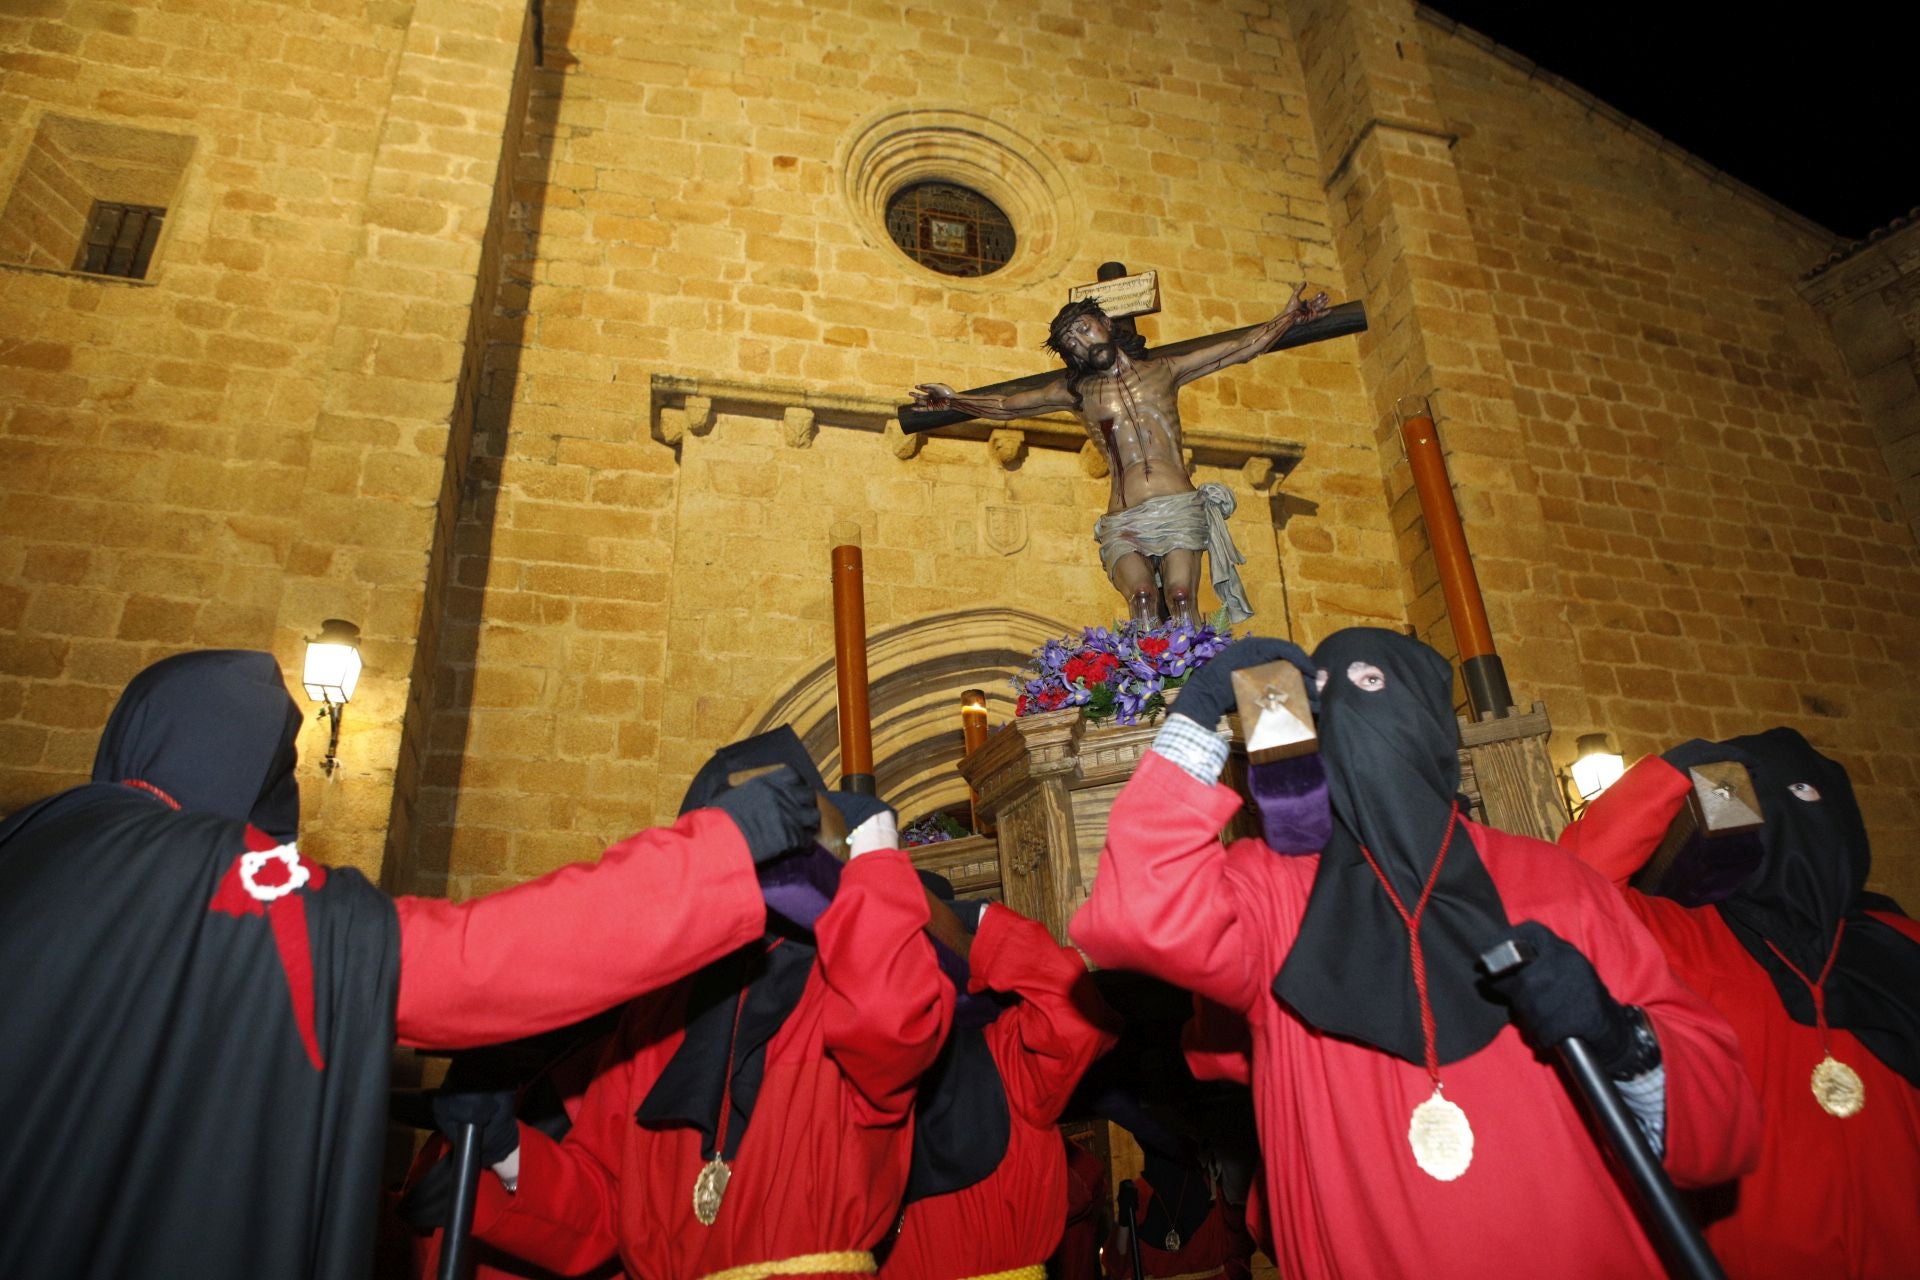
{"x": 916, "y": 672}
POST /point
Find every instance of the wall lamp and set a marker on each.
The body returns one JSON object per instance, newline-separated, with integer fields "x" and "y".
{"x": 332, "y": 669}
{"x": 1596, "y": 766}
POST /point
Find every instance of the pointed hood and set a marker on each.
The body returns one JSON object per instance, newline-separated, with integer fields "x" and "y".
{"x": 1390, "y": 746}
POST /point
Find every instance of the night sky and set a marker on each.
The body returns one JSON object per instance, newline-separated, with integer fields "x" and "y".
{"x": 1814, "y": 103}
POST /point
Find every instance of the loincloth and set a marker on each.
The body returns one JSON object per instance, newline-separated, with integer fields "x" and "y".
{"x": 1194, "y": 521}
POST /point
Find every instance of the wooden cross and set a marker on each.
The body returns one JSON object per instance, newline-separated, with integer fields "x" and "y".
{"x": 1122, "y": 297}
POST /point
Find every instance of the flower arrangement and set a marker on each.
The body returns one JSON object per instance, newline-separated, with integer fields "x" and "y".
{"x": 931, "y": 828}
{"x": 1120, "y": 672}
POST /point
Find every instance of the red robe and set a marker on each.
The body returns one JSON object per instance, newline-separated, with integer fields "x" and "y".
{"x": 1830, "y": 1197}
{"x": 824, "y": 1161}
{"x": 1042, "y": 1046}
{"x": 1345, "y": 1197}
{"x": 1219, "y": 1246}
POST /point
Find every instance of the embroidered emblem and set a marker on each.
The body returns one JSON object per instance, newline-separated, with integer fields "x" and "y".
{"x": 273, "y": 873}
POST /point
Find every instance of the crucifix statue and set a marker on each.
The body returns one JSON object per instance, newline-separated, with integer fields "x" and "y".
{"x": 1157, "y": 522}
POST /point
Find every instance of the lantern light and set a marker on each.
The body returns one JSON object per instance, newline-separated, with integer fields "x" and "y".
{"x": 331, "y": 671}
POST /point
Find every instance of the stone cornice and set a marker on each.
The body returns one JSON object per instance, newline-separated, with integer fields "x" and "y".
{"x": 1868, "y": 267}
{"x": 683, "y": 406}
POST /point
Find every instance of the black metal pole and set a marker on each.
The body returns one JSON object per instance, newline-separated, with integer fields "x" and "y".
{"x": 1660, "y": 1204}
{"x": 456, "y": 1244}
{"x": 1661, "y": 1211}
{"x": 1130, "y": 1216}
{"x": 1486, "y": 681}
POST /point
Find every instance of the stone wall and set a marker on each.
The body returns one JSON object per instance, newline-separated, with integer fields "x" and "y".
{"x": 252, "y": 438}
{"x": 1722, "y": 540}
{"x": 700, "y": 215}
{"x": 553, "y": 377}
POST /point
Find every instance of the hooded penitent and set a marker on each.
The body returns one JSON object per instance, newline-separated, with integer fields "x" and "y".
{"x": 1389, "y": 743}
{"x": 196, "y": 1050}
{"x": 1813, "y": 876}
{"x": 736, "y": 1005}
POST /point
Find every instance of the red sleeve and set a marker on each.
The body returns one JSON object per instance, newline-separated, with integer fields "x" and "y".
{"x": 1163, "y": 902}
{"x": 550, "y": 952}
{"x": 1624, "y": 824}
{"x": 564, "y": 1214}
{"x": 1713, "y": 1116}
{"x": 888, "y": 1005}
{"x": 1044, "y": 1044}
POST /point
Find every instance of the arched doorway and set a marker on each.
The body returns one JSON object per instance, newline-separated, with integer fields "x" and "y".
{"x": 916, "y": 672}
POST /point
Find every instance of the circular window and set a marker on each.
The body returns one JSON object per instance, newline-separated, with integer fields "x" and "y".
{"x": 950, "y": 229}
{"x": 947, "y": 186}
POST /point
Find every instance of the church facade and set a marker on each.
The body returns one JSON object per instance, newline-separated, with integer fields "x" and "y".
{"x": 548, "y": 345}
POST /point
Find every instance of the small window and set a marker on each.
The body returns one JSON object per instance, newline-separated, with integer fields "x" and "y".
{"x": 950, "y": 229}
{"x": 119, "y": 240}
{"x": 92, "y": 197}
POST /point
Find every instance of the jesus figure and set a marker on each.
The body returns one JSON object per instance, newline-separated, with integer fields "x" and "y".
{"x": 1157, "y": 521}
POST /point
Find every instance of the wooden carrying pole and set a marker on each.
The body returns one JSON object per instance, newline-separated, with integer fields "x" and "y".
{"x": 850, "y": 660}
{"x": 1480, "y": 665}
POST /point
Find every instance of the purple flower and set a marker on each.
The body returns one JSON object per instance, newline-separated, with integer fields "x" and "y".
{"x": 1120, "y": 671}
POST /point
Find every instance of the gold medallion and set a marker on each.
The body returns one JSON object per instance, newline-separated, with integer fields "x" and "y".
{"x": 709, "y": 1188}
{"x": 1172, "y": 1242}
{"x": 1837, "y": 1088}
{"x": 1441, "y": 1138}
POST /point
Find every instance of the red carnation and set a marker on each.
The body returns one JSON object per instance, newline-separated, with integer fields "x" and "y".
{"x": 1153, "y": 646}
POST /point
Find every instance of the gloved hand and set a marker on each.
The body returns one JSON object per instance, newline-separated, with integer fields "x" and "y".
{"x": 857, "y": 808}
{"x": 492, "y": 1110}
{"x": 1208, "y": 693}
{"x": 775, "y": 813}
{"x": 1557, "y": 994}
{"x": 871, "y": 822}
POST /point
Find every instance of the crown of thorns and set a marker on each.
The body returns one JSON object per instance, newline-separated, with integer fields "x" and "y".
{"x": 1057, "y": 330}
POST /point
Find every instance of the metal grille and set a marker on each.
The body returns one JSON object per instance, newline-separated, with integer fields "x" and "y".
{"x": 950, "y": 229}
{"x": 119, "y": 240}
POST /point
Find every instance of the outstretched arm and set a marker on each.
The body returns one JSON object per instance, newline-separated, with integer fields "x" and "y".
{"x": 1215, "y": 356}
{"x": 1049, "y": 397}
{"x": 582, "y": 939}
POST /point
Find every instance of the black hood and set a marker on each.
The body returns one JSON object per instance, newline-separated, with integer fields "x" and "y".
{"x": 1812, "y": 877}
{"x": 213, "y": 729}
{"x": 1390, "y": 746}
{"x": 763, "y": 751}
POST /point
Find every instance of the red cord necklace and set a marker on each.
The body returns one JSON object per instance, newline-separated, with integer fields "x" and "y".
{"x": 1837, "y": 1087}
{"x": 141, "y": 784}
{"x": 1438, "y": 1131}
{"x": 710, "y": 1185}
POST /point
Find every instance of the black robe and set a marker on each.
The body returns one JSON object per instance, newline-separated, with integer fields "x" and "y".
{"x": 162, "y": 1112}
